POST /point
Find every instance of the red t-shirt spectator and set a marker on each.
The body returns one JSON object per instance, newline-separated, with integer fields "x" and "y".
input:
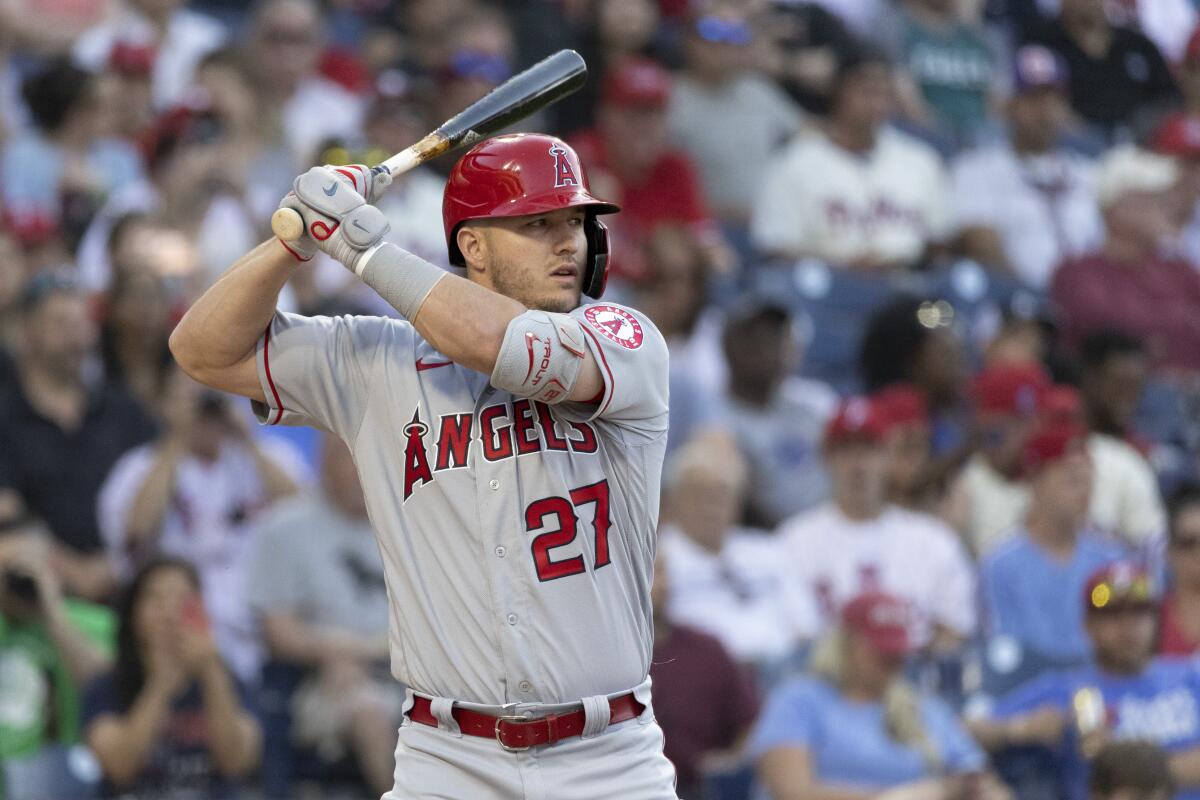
{"x": 1158, "y": 301}
{"x": 669, "y": 191}
{"x": 1173, "y": 641}
{"x": 703, "y": 700}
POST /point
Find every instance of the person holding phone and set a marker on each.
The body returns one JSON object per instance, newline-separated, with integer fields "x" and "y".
{"x": 196, "y": 494}
{"x": 169, "y": 720}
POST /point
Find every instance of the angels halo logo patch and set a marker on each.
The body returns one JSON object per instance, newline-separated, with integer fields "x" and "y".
{"x": 616, "y": 324}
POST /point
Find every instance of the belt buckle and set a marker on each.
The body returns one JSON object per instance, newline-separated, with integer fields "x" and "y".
{"x": 511, "y": 718}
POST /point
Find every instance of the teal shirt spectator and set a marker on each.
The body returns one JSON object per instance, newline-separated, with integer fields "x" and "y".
{"x": 848, "y": 742}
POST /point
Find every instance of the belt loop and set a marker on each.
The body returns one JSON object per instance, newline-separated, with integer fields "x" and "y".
{"x": 442, "y": 709}
{"x": 597, "y": 712}
{"x": 551, "y": 727}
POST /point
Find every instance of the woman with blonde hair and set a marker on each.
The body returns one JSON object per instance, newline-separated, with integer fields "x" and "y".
{"x": 854, "y": 728}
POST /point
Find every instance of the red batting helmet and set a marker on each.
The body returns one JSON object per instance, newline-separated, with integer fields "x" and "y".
{"x": 526, "y": 173}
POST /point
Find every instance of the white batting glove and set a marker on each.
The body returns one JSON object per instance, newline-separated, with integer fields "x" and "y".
{"x": 337, "y": 220}
{"x": 368, "y": 183}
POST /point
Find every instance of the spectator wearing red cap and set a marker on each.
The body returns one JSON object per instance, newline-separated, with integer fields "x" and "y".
{"x": 990, "y": 489}
{"x": 911, "y": 483}
{"x": 858, "y": 541}
{"x": 855, "y": 727}
{"x": 1125, "y": 693}
{"x": 1031, "y": 582}
{"x": 718, "y": 99}
{"x": 1133, "y": 283}
{"x": 630, "y": 158}
{"x": 1025, "y": 204}
{"x": 1116, "y": 72}
{"x": 1179, "y": 632}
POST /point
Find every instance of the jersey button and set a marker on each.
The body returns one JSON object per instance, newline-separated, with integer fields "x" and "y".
{"x": 525, "y": 686}
{"x": 493, "y": 484}
{"x": 512, "y": 619}
{"x": 501, "y": 552}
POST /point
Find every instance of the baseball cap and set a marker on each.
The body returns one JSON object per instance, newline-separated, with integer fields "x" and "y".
{"x": 901, "y": 404}
{"x": 1122, "y": 583}
{"x": 882, "y": 619}
{"x": 131, "y": 58}
{"x": 1053, "y": 440}
{"x": 856, "y": 419}
{"x": 1010, "y": 389}
{"x": 638, "y": 83}
{"x": 1036, "y": 67}
{"x": 1130, "y": 169}
{"x": 1178, "y": 135}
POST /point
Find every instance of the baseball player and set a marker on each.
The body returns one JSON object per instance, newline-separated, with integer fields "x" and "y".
{"x": 510, "y": 443}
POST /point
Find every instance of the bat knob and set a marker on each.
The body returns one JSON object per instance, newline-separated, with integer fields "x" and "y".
{"x": 287, "y": 224}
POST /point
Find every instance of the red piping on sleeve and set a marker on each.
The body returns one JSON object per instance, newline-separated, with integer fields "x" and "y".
{"x": 612, "y": 387}
{"x": 267, "y": 370}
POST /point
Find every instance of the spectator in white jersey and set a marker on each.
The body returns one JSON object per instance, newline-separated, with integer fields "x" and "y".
{"x": 857, "y": 193}
{"x": 725, "y": 581}
{"x": 1026, "y": 204}
{"x": 195, "y": 494}
{"x": 317, "y": 588}
{"x": 859, "y": 542}
{"x": 777, "y": 418}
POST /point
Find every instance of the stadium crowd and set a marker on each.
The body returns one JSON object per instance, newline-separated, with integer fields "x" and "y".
{"x": 929, "y": 271}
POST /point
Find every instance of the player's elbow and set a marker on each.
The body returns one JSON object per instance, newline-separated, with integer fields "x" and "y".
{"x": 186, "y": 351}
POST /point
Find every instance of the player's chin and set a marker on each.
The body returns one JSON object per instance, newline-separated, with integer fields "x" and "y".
{"x": 559, "y": 300}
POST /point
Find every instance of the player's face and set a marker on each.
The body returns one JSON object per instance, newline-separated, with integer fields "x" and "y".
{"x": 538, "y": 259}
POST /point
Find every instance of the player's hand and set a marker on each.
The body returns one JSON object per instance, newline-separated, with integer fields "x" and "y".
{"x": 337, "y": 220}
{"x": 366, "y": 182}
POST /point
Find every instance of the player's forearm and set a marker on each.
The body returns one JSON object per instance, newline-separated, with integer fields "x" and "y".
{"x": 222, "y": 328}
{"x": 466, "y": 322}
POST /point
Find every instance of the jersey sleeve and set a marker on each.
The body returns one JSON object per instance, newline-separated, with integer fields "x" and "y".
{"x": 317, "y": 370}
{"x": 632, "y": 356}
{"x": 956, "y": 597}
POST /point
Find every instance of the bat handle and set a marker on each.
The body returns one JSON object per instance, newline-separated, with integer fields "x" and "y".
{"x": 287, "y": 224}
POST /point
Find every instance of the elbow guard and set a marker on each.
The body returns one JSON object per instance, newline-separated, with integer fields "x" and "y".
{"x": 540, "y": 356}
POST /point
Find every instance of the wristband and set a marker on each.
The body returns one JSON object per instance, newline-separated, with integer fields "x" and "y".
{"x": 399, "y": 277}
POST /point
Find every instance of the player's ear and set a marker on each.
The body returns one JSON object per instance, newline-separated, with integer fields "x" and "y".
{"x": 473, "y": 244}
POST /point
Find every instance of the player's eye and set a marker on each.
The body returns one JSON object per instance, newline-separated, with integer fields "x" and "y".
{"x": 537, "y": 222}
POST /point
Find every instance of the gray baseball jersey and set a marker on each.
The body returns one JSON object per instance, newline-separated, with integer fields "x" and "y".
{"x": 517, "y": 538}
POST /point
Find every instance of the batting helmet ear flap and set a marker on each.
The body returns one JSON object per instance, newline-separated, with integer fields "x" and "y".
{"x": 595, "y": 273}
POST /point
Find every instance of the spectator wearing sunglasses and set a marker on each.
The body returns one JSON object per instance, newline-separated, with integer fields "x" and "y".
{"x": 1179, "y": 633}
{"x": 718, "y": 99}
{"x": 1124, "y": 694}
{"x": 1031, "y": 581}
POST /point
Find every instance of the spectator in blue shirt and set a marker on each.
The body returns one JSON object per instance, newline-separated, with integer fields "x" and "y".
{"x": 1124, "y": 694}
{"x": 1031, "y": 582}
{"x": 855, "y": 726}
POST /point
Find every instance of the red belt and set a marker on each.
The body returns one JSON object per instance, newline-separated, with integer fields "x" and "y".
{"x": 521, "y": 733}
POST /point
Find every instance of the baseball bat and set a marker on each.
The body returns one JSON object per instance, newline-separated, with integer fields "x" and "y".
{"x": 525, "y": 93}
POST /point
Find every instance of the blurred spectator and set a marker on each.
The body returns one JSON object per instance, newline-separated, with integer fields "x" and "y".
{"x": 630, "y": 159}
{"x": 316, "y": 584}
{"x": 1031, "y": 582}
{"x": 915, "y": 342}
{"x": 910, "y": 482}
{"x": 49, "y": 647}
{"x": 1025, "y": 205}
{"x": 1126, "y": 694}
{"x": 169, "y": 720}
{"x": 858, "y": 15}
{"x": 808, "y": 43}
{"x": 303, "y": 107}
{"x": 612, "y": 33}
{"x": 776, "y": 417}
{"x": 687, "y": 665}
{"x": 1116, "y": 73}
{"x": 673, "y": 295}
{"x": 179, "y": 37}
{"x": 1167, "y": 23}
{"x": 12, "y": 280}
{"x": 130, "y": 69}
{"x": 1178, "y": 135}
{"x": 855, "y": 727}
{"x": 1179, "y": 625}
{"x": 725, "y": 581}
{"x": 718, "y": 101}
{"x": 1130, "y": 284}
{"x": 1112, "y": 377}
{"x": 949, "y": 72}
{"x": 133, "y": 334}
{"x": 196, "y": 493}
{"x": 49, "y": 27}
{"x": 1131, "y": 770}
{"x": 61, "y": 430}
{"x": 859, "y": 542}
{"x": 856, "y": 193}
{"x": 68, "y": 162}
